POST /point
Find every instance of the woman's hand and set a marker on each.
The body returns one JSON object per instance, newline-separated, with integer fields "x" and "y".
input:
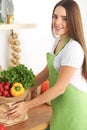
{"x": 17, "y": 110}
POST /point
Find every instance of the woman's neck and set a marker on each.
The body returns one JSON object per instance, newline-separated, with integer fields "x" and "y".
{"x": 60, "y": 43}
{"x": 63, "y": 38}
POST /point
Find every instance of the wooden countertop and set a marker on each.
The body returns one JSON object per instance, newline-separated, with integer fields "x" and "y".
{"x": 39, "y": 118}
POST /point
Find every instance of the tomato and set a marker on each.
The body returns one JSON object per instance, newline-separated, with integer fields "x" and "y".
{"x": 2, "y": 127}
{"x": 44, "y": 86}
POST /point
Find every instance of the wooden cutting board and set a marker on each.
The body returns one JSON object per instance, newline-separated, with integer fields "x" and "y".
{"x": 39, "y": 118}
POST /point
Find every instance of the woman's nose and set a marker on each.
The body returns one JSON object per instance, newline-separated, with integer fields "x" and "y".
{"x": 58, "y": 21}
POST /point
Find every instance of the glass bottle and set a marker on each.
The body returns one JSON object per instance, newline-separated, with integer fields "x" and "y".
{"x": 7, "y": 9}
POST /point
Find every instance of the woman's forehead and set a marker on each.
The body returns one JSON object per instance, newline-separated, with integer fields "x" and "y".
{"x": 59, "y": 10}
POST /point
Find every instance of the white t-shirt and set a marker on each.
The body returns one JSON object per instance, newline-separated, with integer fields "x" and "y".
{"x": 71, "y": 55}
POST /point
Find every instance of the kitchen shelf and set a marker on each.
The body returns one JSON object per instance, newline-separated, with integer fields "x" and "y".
{"x": 4, "y": 26}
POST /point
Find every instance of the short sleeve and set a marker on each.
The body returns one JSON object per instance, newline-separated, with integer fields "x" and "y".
{"x": 72, "y": 55}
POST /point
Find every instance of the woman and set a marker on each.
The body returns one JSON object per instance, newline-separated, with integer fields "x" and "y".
{"x": 67, "y": 72}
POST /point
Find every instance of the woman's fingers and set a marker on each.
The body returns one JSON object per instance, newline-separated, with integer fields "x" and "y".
{"x": 16, "y": 110}
{"x": 11, "y": 110}
{"x": 12, "y": 115}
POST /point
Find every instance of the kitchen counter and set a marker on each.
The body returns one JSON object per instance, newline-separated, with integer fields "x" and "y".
{"x": 39, "y": 118}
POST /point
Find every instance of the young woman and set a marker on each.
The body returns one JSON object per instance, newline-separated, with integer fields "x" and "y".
{"x": 67, "y": 72}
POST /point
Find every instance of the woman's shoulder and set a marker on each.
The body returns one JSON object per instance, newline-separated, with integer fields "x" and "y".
{"x": 72, "y": 54}
{"x": 74, "y": 46}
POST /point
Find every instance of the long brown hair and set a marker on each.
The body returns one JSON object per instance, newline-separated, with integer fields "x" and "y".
{"x": 75, "y": 27}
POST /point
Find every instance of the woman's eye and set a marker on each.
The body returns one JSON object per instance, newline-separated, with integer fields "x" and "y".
{"x": 64, "y": 18}
{"x": 54, "y": 16}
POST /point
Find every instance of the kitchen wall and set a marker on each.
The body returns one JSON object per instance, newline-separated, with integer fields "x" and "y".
{"x": 34, "y": 42}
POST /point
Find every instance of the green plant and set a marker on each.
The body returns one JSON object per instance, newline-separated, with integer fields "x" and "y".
{"x": 19, "y": 73}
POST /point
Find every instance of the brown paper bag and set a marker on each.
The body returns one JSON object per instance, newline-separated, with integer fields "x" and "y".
{"x": 5, "y": 102}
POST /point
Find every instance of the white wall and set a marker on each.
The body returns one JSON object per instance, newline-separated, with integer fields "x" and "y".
{"x": 34, "y": 42}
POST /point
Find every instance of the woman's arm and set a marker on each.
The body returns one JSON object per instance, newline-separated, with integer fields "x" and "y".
{"x": 59, "y": 88}
{"x": 42, "y": 76}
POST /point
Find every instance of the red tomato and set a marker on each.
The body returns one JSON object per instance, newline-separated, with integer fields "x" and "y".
{"x": 44, "y": 86}
{"x": 2, "y": 127}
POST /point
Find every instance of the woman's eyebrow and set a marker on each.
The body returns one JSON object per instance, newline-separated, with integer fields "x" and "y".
{"x": 60, "y": 15}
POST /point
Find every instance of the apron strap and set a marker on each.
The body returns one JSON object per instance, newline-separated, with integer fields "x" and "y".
{"x": 65, "y": 42}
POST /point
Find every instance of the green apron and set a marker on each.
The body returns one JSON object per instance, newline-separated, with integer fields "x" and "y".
{"x": 70, "y": 108}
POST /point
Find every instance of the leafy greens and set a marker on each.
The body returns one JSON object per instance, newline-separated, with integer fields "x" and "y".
{"x": 19, "y": 73}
